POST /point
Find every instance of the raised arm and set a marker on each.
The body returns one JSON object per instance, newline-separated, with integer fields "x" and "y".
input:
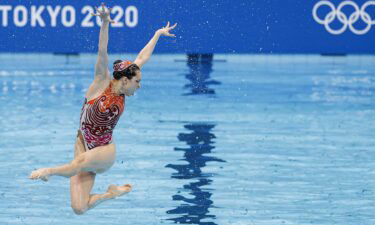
{"x": 146, "y": 52}
{"x": 101, "y": 66}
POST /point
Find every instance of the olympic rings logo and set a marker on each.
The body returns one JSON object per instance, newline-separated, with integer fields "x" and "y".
{"x": 344, "y": 19}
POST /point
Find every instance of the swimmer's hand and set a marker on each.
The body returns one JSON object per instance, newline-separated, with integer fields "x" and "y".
{"x": 165, "y": 30}
{"x": 103, "y": 13}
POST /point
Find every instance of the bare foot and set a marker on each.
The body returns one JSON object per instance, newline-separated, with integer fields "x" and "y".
{"x": 117, "y": 191}
{"x": 42, "y": 174}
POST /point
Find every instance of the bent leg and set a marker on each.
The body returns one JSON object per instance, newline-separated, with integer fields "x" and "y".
{"x": 80, "y": 188}
{"x": 82, "y": 200}
{"x": 80, "y": 184}
{"x": 113, "y": 191}
{"x": 96, "y": 160}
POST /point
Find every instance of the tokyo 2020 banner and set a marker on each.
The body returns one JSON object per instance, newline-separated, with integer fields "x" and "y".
{"x": 273, "y": 26}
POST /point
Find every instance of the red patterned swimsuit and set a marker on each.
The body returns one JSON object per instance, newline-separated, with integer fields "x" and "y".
{"x": 99, "y": 117}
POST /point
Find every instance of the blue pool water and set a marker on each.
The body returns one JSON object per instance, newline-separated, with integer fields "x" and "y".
{"x": 248, "y": 139}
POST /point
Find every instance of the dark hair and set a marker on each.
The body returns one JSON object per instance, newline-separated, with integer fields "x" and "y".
{"x": 129, "y": 72}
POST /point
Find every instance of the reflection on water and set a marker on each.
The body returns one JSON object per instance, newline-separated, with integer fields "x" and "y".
{"x": 356, "y": 87}
{"x": 200, "y": 67}
{"x": 193, "y": 210}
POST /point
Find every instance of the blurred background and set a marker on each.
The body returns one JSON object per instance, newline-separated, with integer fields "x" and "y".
{"x": 319, "y": 27}
{"x": 258, "y": 112}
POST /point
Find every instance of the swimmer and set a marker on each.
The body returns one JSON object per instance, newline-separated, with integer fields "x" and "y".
{"x": 104, "y": 103}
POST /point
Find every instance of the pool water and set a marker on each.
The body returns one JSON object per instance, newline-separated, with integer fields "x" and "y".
{"x": 245, "y": 139}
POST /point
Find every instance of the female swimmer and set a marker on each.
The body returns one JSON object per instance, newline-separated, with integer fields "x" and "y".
{"x": 104, "y": 103}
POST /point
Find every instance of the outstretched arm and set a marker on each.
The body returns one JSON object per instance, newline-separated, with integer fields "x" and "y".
{"x": 146, "y": 52}
{"x": 101, "y": 67}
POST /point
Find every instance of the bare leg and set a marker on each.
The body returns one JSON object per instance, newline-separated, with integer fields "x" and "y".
{"x": 113, "y": 191}
{"x": 82, "y": 182}
{"x": 82, "y": 201}
{"x": 81, "y": 186}
{"x": 96, "y": 160}
{"x": 67, "y": 170}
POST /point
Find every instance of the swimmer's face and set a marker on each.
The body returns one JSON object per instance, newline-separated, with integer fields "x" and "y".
{"x": 132, "y": 85}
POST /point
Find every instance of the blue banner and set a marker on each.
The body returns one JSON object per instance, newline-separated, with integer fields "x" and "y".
{"x": 272, "y": 26}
